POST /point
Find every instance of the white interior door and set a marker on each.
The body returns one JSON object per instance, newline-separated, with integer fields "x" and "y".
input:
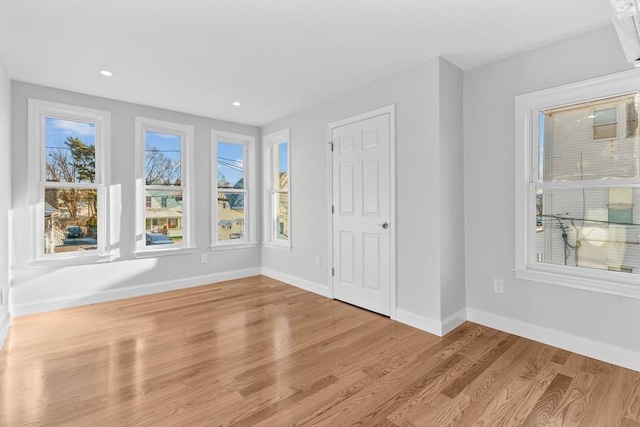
{"x": 361, "y": 223}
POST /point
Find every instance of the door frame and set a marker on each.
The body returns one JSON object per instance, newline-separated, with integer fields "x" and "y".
{"x": 391, "y": 111}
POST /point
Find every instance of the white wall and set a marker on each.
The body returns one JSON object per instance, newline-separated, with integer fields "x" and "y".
{"x": 489, "y": 155}
{"x": 5, "y": 196}
{"x": 420, "y": 228}
{"x": 36, "y": 289}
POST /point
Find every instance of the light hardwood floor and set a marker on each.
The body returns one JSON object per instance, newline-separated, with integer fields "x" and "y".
{"x": 259, "y": 352}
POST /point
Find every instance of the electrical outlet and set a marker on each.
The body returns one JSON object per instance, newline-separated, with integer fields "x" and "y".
{"x": 204, "y": 258}
{"x": 317, "y": 262}
{"x": 498, "y": 286}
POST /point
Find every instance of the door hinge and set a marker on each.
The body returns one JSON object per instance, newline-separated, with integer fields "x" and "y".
{"x": 331, "y": 145}
{"x": 333, "y": 271}
{"x": 332, "y": 209}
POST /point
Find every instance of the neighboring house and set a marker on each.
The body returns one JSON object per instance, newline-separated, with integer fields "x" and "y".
{"x": 283, "y": 207}
{"x": 53, "y": 236}
{"x": 590, "y": 226}
{"x": 231, "y": 214}
{"x": 164, "y": 212}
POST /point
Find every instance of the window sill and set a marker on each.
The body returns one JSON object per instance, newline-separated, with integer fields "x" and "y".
{"x": 53, "y": 261}
{"x": 626, "y": 284}
{"x": 279, "y": 246}
{"x": 151, "y": 253}
{"x": 232, "y": 246}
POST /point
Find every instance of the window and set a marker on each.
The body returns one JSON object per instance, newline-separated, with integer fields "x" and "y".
{"x": 277, "y": 180}
{"x": 576, "y": 221}
{"x": 233, "y": 197}
{"x": 605, "y": 123}
{"x": 620, "y": 206}
{"x": 632, "y": 120}
{"x": 163, "y": 174}
{"x": 68, "y": 176}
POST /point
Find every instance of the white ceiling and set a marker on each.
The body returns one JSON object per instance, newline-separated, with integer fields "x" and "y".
{"x": 275, "y": 56}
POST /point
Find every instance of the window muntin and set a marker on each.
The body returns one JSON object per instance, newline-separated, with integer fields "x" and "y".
{"x": 571, "y": 230}
{"x": 233, "y": 195}
{"x": 67, "y": 176}
{"x": 163, "y": 157}
{"x": 277, "y": 189}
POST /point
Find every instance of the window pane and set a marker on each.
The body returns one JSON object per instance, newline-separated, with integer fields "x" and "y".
{"x": 281, "y": 165}
{"x": 230, "y": 163}
{"x": 163, "y": 159}
{"x": 70, "y": 220}
{"x": 231, "y": 217}
{"x": 608, "y": 115}
{"x": 282, "y": 215}
{"x": 578, "y": 229}
{"x": 163, "y": 219}
{"x": 70, "y": 150}
{"x": 567, "y": 150}
{"x": 605, "y": 131}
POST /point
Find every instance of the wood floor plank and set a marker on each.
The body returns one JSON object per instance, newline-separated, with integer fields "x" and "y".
{"x": 255, "y": 351}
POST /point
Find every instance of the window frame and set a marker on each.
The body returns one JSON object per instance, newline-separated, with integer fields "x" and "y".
{"x": 39, "y": 110}
{"x": 186, "y": 132}
{"x": 527, "y": 108}
{"x": 270, "y": 189}
{"x": 250, "y": 190}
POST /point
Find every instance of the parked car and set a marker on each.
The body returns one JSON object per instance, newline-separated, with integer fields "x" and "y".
{"x": 74, "y": 232}
{"x": 158, "y": 239}
{"x": 539, "y": 221}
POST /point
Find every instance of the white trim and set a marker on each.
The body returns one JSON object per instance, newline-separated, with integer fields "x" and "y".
{"x": 595, "y": 281}
{"x": 164, "y": 251}
{"x": 526, "y": 128}
{"x": 432, "y": 326}
{"x": 94, "y": 297}
{"x": 4, "y": 329}
{"x": 391, "y": 111}
{"x": 38, "y": 111}
{"x": 46, "y": 262}
{"x": 417, "y": 321}
{"x": 186, "y": 134}
{"x": 451, "y": 322}
{"x": 298, "y": 282}
{"x": 606, "y": 352}
{"x": 232, "y": 246}
{"x": 279, "y": 246}
{"x": 268, "y": 142}
{"x": 250, "y": 189}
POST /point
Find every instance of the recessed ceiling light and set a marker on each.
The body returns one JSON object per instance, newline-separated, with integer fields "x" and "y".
{"x": 106, "y": 73}
{"x": 235, "y": 103}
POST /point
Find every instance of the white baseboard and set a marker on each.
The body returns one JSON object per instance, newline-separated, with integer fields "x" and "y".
{"x": 4, "y": 329}
{"x": 420, "y": 322}
{"x": 586, "y": 347}
{"x": 433, "y": 326}
{"x": 451, "y": 322}
{"x": 307, "y": 285}
{"x": 50, "y": 304}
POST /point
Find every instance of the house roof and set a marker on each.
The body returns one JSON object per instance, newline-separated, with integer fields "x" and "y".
{"x": 154, "y": 213}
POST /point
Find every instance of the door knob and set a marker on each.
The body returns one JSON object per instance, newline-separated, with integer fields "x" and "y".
{"x": 384, "y": 225}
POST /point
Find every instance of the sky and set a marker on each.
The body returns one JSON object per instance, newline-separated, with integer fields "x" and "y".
{"x": 230, "y": 158}
{"x": 58, "y": 130}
